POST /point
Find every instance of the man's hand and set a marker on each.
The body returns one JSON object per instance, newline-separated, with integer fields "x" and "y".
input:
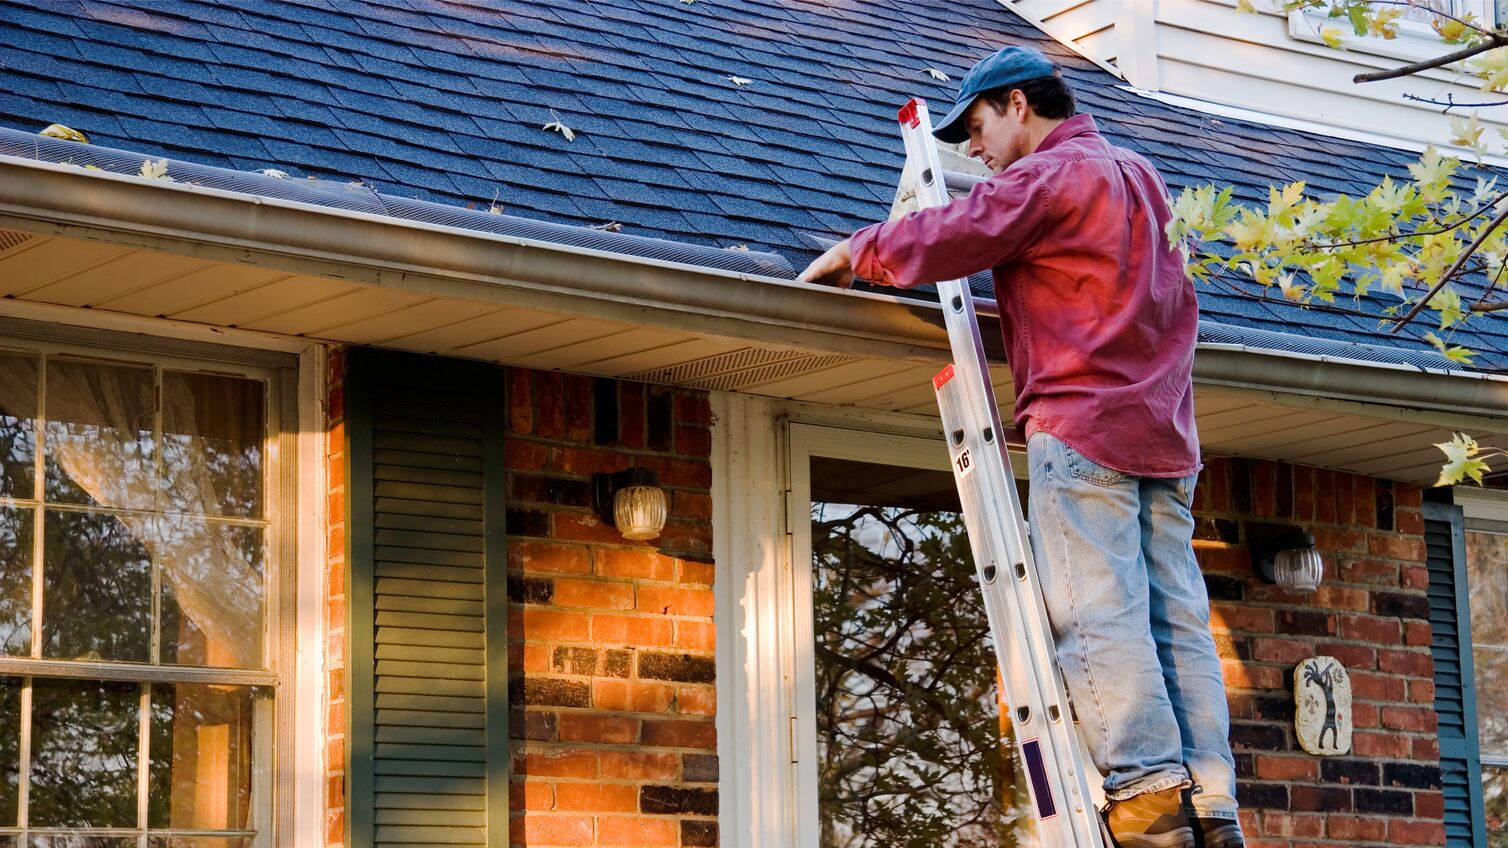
{"x": 833, "y": 268}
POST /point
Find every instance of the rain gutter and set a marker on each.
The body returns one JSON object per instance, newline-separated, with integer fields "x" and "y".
{"x": 444, "y": 261}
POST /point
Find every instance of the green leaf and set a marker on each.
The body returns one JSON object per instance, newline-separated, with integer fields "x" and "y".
{"x": 1460, "y": 461}
{"x": 1447, "y": 302}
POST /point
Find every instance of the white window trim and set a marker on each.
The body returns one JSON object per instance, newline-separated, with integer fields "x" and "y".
{"x": 1485, "y": 505}
{"x": 300, "y": 787}
{"x": 305, "y": 784}
{"x": 761, "y": 492}
{"x": 1416, "y": 41}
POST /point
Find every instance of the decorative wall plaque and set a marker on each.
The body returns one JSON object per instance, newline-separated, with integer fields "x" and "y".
{"x": 1322, "y": 706}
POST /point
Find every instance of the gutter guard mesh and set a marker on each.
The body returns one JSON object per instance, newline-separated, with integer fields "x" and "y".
{"x": 359, "y": 197}
{"x": 1211, "y": 332}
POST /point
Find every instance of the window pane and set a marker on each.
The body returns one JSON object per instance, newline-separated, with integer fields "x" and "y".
{"x": 18, "y": 437}
{"x": 912, "y": 749}
{"x": 96, "y": 587}
{"x": 1487, "y": 575}
{"x": 212, "y": 430}
{"x": 201, "y": 757}
{"x": 213, "y": 594}
{"x": 16, "y": 528}
{"x": 10, "y": 751}
{"x": 1495, "y": 804}
{"x": 100, "y": 448}
{"x": 1491, "y": 668}
{"x": 84, "y": 753}
{"x": 199, "y": 842}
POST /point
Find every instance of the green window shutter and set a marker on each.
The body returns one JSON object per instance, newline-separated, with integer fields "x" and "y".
{"x": 428, "y": 680}
{"x": 1455, "y": 689}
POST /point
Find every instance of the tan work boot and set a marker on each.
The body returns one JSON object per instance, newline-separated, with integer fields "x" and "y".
{"x": 1151, "y": 820}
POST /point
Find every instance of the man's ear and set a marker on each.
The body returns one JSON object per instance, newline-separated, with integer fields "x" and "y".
{"x": 1020, "y": 109}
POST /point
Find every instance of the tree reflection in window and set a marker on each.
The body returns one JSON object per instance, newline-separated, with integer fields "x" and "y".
{"x": 18, "y": 435}
{"x": 10, "y": 752}
{"x": 16, "y": 528}
{"x": 96, "y": 589}
{"x": 84, "y": 752}
{"x": 908, "y": 720}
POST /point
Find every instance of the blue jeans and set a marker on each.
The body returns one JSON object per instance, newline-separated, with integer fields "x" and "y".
{"x": 1131, "y": 617}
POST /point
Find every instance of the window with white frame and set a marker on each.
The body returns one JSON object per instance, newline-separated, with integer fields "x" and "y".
{"x": 1416, "y": 34}
{"x": 1486, "y": 542}
{"x": 139, "y": 601}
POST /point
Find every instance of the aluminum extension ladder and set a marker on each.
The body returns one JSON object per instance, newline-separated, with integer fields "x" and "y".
{"x": 1046, "y": 738}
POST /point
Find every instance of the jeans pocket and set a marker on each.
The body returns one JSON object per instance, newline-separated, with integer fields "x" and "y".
{"x": 1186, "y": 489}
{"x": 1082, "y": 467}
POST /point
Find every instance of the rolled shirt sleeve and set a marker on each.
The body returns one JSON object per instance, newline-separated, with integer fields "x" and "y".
{"x": 997, "y": 222}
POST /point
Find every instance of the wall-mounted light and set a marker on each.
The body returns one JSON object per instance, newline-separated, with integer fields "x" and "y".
{"x": 632, "y": 501}
{"x": 1286, "y": 556}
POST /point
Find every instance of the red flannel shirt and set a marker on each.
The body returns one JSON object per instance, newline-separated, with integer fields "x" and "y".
{"x": 1099, "y": 318}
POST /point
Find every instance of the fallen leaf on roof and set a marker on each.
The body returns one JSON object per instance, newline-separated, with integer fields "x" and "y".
{"x": 65, "y": 133}
{"x": 740, "y": 248}
{"x": 494, "y": 209}
{"x": 558, "y": 126}
{"x": 740, "y": 80}
{"x": 937, "y": 75}
{"x": 274, "y": 173}
{"x": 609, "y": 227}
{"x": 156, "y": 170}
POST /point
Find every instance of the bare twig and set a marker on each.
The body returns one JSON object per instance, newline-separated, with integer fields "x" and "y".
{"x": 1450, "y": 102}
{"x": 1494, "y": 40}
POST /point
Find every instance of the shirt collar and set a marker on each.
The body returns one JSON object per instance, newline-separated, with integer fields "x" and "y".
{"x": 1080, "y": 124}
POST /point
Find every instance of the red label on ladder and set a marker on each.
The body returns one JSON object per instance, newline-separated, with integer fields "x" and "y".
{"x": 908, "y": 114}
{"x": 942, "y": 377}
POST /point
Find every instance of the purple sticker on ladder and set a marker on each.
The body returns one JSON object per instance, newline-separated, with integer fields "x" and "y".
{"x": 1036, "y": 770}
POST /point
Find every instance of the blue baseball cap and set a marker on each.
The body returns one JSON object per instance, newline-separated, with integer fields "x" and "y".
{"x": 1008, "y": 66}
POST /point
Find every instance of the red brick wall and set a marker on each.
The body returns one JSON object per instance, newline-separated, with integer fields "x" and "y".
{"x": 611, "y": 642}
{"x": 1370, "y": 613}
{"x": 335, "y": 611}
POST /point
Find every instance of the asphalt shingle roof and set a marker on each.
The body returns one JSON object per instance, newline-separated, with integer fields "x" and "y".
{"x": 445, "y": 100}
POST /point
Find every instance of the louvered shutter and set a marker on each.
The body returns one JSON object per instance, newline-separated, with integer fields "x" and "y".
{"x": 1455, "y": 699}
{"x": 429, "y": 729}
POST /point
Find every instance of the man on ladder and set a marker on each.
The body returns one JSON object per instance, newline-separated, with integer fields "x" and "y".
{"x": 1100, "y": 323}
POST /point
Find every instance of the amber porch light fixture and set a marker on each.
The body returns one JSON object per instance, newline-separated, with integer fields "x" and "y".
{"x": 632, "y": 501}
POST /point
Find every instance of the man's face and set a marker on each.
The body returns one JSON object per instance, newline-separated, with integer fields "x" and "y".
{"x": 997, "y": 138}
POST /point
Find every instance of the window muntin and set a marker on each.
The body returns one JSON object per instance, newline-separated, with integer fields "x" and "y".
{"x": 136, "y": 646}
